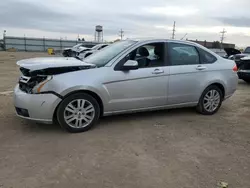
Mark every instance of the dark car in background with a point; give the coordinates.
(242, 61)
(243, 65)
(231, 52)
(238, 56)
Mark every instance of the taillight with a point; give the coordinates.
(235, 68)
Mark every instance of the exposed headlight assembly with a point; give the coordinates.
(41, 83)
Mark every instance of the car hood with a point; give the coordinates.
(54, 62)
(232, 51)
(67, 49)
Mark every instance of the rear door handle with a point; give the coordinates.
(158, 71)
(200, 67)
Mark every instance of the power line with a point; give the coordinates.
(173, 34)
(121, 34)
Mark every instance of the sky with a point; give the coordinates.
(200, 19)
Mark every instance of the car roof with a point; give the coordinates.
(152, 40)
(161, 40)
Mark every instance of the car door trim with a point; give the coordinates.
(124, 80)
(164, 107)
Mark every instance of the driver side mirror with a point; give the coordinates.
(130, 65)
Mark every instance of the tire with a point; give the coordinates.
(78, 112)
(203, 106)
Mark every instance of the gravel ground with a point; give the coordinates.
(169, 149)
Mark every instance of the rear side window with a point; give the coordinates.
(206, 57)
(182, 54)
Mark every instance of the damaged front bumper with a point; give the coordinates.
(36, 107)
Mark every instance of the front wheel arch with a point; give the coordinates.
(91, 93)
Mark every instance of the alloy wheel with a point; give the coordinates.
(211, 100)
(79, 113)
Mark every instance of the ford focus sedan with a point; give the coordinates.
(128, 76)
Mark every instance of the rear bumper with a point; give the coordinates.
(244, 74)
(36, 107)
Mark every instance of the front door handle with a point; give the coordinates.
(201, 67)
(158, 71)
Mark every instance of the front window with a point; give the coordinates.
(247, 50)
(149, 55)
(101, 58)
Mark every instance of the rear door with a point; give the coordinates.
(186, 74)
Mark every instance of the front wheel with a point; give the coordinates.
(78, 112)
(210, 100)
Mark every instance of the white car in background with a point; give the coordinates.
(71, 52)
(85, 53)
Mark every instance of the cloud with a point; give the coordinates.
(138, 18)
(237, 22)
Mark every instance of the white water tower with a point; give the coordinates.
(98, 33)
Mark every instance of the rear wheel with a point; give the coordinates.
(210, 100)
(78, 112)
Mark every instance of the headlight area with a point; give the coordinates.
(39, 86)
(33, 85)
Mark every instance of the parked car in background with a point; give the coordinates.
(128, 76)
(85, 53)
(230, 52)
(238, 56)
(244, 69)
(71, 52)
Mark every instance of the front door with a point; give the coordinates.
(145, 87)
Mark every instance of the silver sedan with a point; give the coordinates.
(128, 76)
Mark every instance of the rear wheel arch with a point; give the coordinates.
(221, 87)
(210, 102)
(218, 84)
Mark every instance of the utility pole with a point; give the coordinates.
(222, 36)
(121, 34)
(173, 34)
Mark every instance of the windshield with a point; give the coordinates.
(102, 57)
(247, 50)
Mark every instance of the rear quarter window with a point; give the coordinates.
(206, 57)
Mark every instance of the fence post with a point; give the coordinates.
(4, 42)
(44, 44)
(61, 43)
(25, 44)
